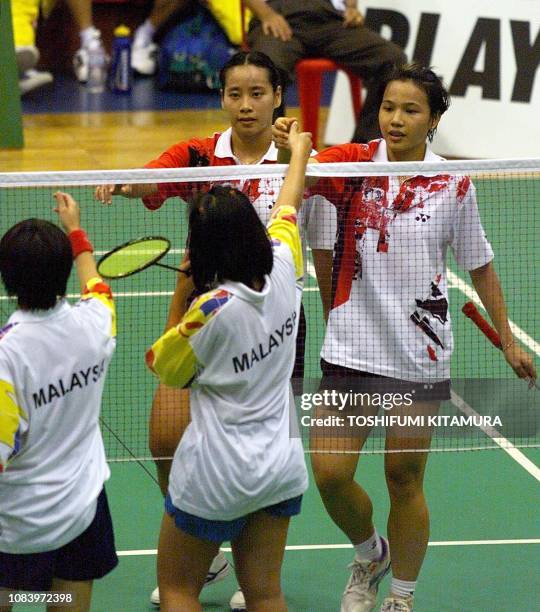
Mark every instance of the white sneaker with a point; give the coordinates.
(238, 602)
(361, 591)
(144, 58)
(397, 604)
(219, 570)
(32, 79)
(27, 57)
(81, 60)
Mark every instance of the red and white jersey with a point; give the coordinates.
(390, 300)
(316, 219)
(53, 365)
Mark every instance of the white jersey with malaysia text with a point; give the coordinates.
(237, 346)
(53, 365)
(390, 310)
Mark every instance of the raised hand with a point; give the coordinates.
(276, 25)
(68, 211)
(300, 142)
(280, 131)
(521, 362)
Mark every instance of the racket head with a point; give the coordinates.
(133, 256)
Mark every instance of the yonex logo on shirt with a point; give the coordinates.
(261, 351)
(77, 380)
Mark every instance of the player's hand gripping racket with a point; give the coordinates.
(470, 311)
(134, 256)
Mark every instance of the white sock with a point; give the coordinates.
(144, 34)
(402, 588)
(87, 35)
(369, 550)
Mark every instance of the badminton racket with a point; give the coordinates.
(135, 256)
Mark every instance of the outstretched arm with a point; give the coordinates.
(486, 282)
(70, 217)
(104, 193)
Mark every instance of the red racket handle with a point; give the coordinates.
(470, 310)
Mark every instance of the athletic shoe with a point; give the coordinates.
(27, 57)
(219, 570)
(361, 591)
(81, 60)
(144, 58)
(238, 602)
(397, 604)
(32, 79)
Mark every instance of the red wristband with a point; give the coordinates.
(80, 242)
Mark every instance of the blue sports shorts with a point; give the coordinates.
(225, 531)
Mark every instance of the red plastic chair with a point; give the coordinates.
(309, 74)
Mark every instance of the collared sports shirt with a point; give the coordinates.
(237, 345)
(316, 220)
(390, 296)
(52, 461)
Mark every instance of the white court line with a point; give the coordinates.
(505, 444)
(311, 269)
(149, 552)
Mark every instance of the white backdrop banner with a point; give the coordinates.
(487, 51)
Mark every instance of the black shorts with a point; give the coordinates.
(89, 556)
(345, 379)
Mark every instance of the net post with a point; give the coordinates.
(11, 131)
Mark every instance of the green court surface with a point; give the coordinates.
(476, 501)
(484, 548)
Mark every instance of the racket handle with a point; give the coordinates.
(470, 311)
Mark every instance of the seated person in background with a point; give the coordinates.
(24, 14)
(82, 15)
(56, 531)
(291, 30)
(144, 51)
(144, 56)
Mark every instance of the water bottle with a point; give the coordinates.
(120, 75)
(96, 66)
